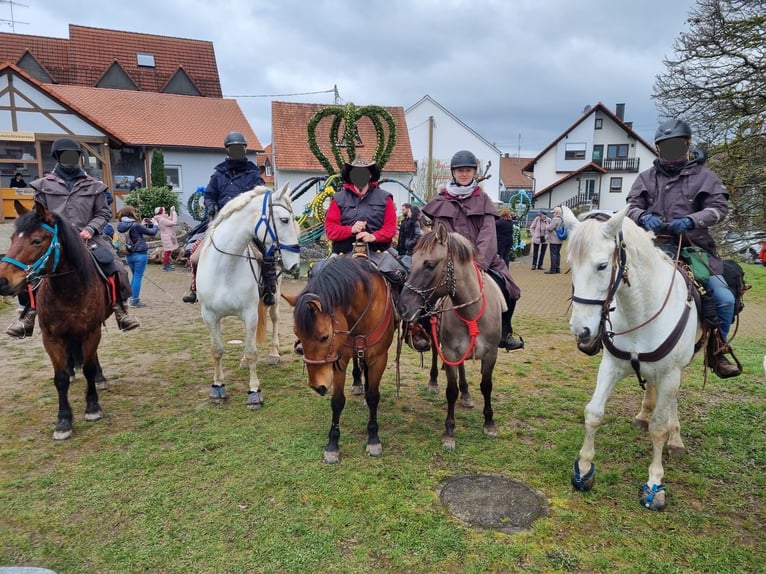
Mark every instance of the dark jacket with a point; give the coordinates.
(504, 231)
(231, 178)
(136, 231)
(694, 192)
(375, 207)
(409, 233)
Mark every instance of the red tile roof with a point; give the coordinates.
(89, 52)
(511, 172)
(289, 125)
(152, 119)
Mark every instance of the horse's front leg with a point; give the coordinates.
(641, 421)
(448, 440)
(58, 355)
(218, 388)
(373, 375)
(90, 369)
(487, 368)
(356, 378)
(254, 395)
(584, 473)
(465, 395)
(433, 376)
(338, 401)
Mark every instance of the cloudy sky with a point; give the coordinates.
(518, 72)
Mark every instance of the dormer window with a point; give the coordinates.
(145, 60)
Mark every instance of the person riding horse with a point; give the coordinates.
(81, 200)
(681, 197)
(233, 176)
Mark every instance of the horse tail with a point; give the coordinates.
(260, 331)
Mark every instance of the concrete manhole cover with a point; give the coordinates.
(492, 502)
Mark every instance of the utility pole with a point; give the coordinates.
(12, 22)
(430, 169)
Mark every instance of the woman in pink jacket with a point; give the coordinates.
(167, 225)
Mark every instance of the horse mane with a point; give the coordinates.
(72, 246)
(460, 247)
(334, 286)
(237, 203)
(639, 244)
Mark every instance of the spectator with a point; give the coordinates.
(504, 229)
(136, 184)
(139, 256)
(552, 238)
(539, 243)
(18, 181)
(409, 233)
(167, 225)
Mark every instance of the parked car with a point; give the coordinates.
(745, 244)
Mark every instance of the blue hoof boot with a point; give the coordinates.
(583, 482)
(653, 498)
(217, 393)
(254, 400)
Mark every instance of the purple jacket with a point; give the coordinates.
(694, 192)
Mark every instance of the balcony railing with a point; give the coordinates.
(624, 164)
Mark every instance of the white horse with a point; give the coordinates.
(629, 297)
(256, 224)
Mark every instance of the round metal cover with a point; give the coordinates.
(492, 502)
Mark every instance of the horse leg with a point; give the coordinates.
(254, 396)
(584, 473)
(676, 446)
(465, 395)
(487, 368)
(448, 440)
(273, 357)
(641, 421)
(338, 401)
(90, 368)
(99, 378)
(58, 355)
(356, 378)
(433, 386)
(218, 388)
(372, 375)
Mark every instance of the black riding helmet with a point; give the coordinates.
(234, 138)
(64, 144)
(463, 158)
(672, 129)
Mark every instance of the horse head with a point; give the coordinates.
(281, 234)
(318, 332)
(594, 256)
(34, 250)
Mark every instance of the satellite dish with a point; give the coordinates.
(586, 109)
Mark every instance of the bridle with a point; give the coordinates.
(35, 270)
(427, 294)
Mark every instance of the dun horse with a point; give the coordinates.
(345, 311)
(255, 225)
(629, 297)
(72, 301)
(464, 306)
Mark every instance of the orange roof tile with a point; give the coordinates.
(289, 126)
(511, 172)
(149, 118)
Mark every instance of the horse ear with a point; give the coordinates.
(441, 233)
(43, 214)
(282, 192)
(315, 305)
(614, 225)
(570, 219)
(20, 208)
(291, 299)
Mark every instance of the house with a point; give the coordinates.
(436, 134)
(592, 164)
(295, 164)
(121, 95)
(513, 179)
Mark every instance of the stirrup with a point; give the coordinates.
(190, 297)
(417, 338)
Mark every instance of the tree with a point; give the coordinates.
(159, 179)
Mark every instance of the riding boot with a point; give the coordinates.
(416, 336)
(715, 357)
(507, 340)
(191, 295)
(24, 326)
(125, 321)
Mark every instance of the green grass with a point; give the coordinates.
(168, 483)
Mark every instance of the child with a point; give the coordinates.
(167, 225)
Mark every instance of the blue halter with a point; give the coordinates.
(33, 271)
(267, 216)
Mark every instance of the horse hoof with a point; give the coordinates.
(653, 498)
(254, 400)
(217, 394)
(676, 451)
(490, 430)
(357, 390)
(62, 435)
(90, 417)
(272, 359)
(466, 401)
(583, 482)
(640, 424)
(331, 457)
(448, 443)
(433, 388)
(374, 449)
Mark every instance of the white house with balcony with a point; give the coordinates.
(592, 164)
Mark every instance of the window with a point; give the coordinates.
(615, 185)
(598, 153)
(599, 123)
(617, 151)
(146, 60)
(173, 173)
(575, 150)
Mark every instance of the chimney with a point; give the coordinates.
(621, 112)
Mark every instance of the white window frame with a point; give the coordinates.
(177, 185)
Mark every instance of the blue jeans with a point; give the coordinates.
(137, 264)
(724, 302)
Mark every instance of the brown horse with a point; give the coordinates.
(346, 311)
(72, 301)
(464, 307)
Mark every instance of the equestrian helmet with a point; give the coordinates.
(64, 144)
(672, 129)
(234, 138)
(463, 158)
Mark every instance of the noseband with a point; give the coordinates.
(35, 270)
(447, 278)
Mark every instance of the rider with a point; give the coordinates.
(463, 207)
(680, 196)
(81, 200)
(233, 176)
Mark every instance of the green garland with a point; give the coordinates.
(520, 203)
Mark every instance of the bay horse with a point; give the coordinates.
(464, 307)
(72, 301)
(629, 297)
(254, 225)
(345, 311)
